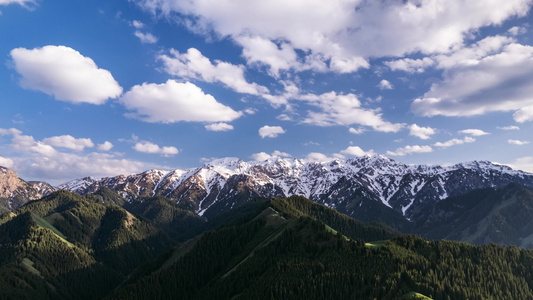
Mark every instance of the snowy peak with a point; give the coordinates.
(223, 183)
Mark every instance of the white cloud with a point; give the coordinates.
(250, 111)
(146, 38)
(509, 128)
(339, 109)
(517, 30)
(194, 65)
(219, 127)
(517, 142)
(137, 24)
(317, 157)
(424, 133)
(474, 132)
(106, 146)
(358, 30)
(409, 150)
(26, 143)
(6, 162)
(524, 114)
(278, 153)
(261, 51)
(497, 82)
(473, 54)
(410, 65)
(64, 73)
(23, 3)
(454, 142)
(522, 163)
(149, 147)
(357, 151)
(270, 131)
(69, 142)
(10, 131)
(262, 156)
(172, 102)
(348, 65)
(359, 130)
(35, 160)
(385, 85)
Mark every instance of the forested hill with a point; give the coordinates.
(285, 252)
(66, 246)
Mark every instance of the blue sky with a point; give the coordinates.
(103, 88)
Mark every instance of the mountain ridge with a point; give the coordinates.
(345, 185)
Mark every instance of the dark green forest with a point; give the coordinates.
(100, 246)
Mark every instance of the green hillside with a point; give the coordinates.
(286, 252)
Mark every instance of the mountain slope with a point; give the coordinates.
(15, 192)
(503, 216)
(66, 246)
(283, 253)
(368, 188)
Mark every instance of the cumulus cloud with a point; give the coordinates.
(137, 24)
(69, 142)
(219, 127)
(194, 65)
(172, 102)
(10, 131)
(262, 156)
(35, 160)
(524, 114)
(517, 30)
(454, 142)
(259, 51)
(410, 149)
(106, 146)
(385, 85)
(151, 148)
(359, 130)
(65, 74)
(270, 131)
(359, 30)
(410, 65)
(6, 162)
(146, 38)
(357, 151)
(517, 142)
(424, 133)
(340, 109)
(522, 163)
(474, 132)
(318, 157)
(476, 84)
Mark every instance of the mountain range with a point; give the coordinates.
(369, 188)
(227, 230)
(410, 198)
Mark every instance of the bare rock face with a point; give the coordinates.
(15, 192)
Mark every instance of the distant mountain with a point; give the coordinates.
(15, 192)
(503, 216)
(370, 188)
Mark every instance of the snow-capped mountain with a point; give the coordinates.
(352, 186)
